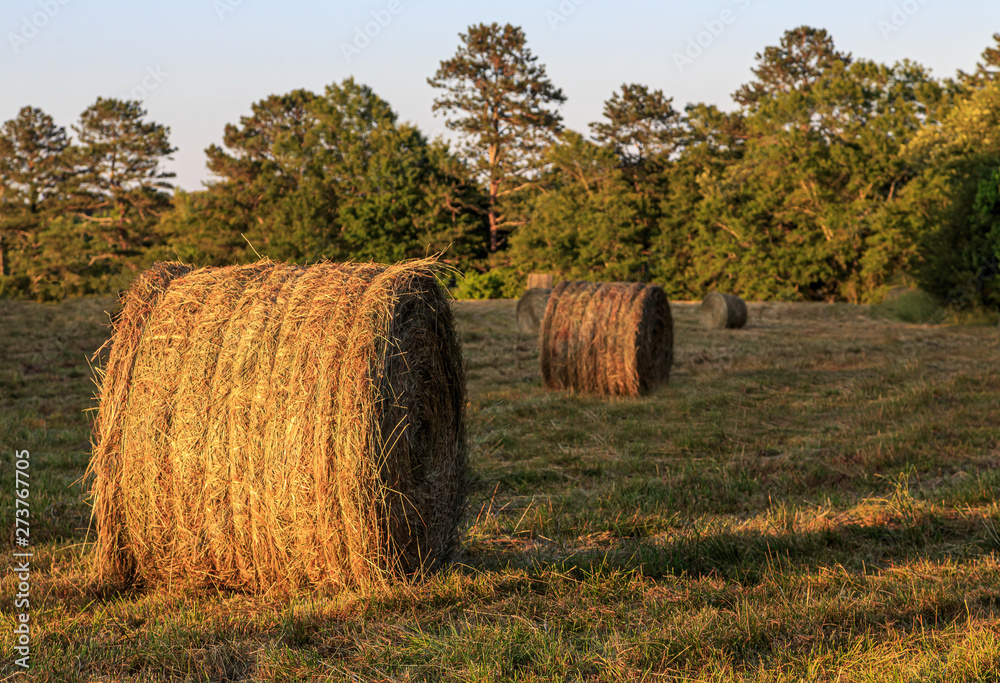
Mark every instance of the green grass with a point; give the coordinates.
(911, 306)
(812, 498)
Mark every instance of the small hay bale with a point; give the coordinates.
(608, 338)
(531, 311)
(270, 426)
(539, 281)
(723, 311)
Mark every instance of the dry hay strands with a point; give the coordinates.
(609, 338)
(531, 311)
(723, 311)
(270, 426)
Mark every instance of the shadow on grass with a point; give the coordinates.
(748, 558)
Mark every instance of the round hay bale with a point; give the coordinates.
(723, 311)
(531, 310)
(270, 426)
(539, 281)
(608, 338)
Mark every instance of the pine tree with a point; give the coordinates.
(120, 185)
(986, 70)
(34, 171)
(501, 100)
(639, 125)
(802, 58)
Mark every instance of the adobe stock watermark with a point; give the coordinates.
(21, 560)
(224, 7)
(363, 36)
(898, 18)
(152, 79)
(714, 28)
(562, 13)
(31, 25)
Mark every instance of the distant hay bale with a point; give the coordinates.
(609, 338)
(270, 426)
(539, 280)
(723, 311)
(531, 311)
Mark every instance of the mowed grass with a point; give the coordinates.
(811, 498)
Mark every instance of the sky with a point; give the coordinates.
(200, 64)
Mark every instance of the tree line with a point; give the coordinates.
(834, 178)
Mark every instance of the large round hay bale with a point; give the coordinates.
(269, 426)
(608, 338)
(723, 311)
(531, 311)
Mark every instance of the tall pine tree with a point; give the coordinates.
(34, 171)
(502, 102)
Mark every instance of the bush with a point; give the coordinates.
(500, 283)
(911, 306)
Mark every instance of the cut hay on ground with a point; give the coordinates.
(610, 338)
(723, 311)
(270, 426)
(531, 311)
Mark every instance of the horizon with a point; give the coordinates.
(211, 78)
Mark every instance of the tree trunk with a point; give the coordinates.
(492, 213)
(493, 230)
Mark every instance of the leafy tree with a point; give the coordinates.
(265, 172)
(808, 209)
(644, 130)
(326, 176)
(83, 214)
(33, 173)
(393, 195)
(712, 141)
(584, 221)
(501, 100)
(951, 205)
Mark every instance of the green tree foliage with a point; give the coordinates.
(639, 125)
(804, 57)
(81, 217)
(269, 184)
(835, 178)
(951, 205)
(334, 176)
(584, 220)
(500, 100)
(986, 71)
(712, 141)
(119, 179)
(806, 210)
(33, 172)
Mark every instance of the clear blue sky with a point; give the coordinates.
(201, 63)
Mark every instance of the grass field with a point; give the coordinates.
(812, 498)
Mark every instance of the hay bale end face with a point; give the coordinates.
(270, 426)
(723, 311)
(539, 281)
(607, 338)
(531, 311)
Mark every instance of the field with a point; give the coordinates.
(812, 498)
